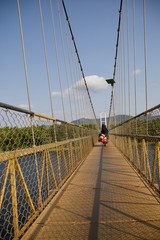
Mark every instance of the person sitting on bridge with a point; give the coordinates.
(104, 131)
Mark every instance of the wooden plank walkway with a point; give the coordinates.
(105, 199)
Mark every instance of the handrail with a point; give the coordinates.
(17, 109)
(37, 155)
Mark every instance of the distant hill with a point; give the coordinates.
(84, 121)
(118, 118)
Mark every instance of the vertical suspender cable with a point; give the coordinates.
(71, 52)
(70, 58)
(64, 57)
(46, 59)
(76, 83)
(68, 82)
(121, 76)
(115, 122)
(128, 60)
(57, 60)
(83, 97)
(78, 58)
(145, 53)
(145, 62)
(70, 63)
(29, 102)
(135, 81)
(77, 87)
(24, 56)
(124, 68)
(49, 84)
(134, 47)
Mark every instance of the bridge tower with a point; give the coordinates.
(103, 119)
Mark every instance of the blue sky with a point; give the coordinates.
(94, 25)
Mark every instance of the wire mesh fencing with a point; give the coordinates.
(139, 140)
(37, 155)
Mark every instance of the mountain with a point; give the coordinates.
(117, 118)
(84, 121)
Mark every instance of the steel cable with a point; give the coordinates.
(78, 57)
(24, 55)
(115, 63)
(64, 57)
(46, 58)
(57, 59)
(145, 62)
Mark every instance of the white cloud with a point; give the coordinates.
(94, 83)
(137, 71)
(56, 94)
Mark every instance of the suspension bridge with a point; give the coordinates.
(56, 180)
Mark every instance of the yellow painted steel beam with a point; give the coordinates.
(155, 161)
(64, 160)
(24, 186)
(44, 116)
(42, 170)
(144, 159)
(26, 151)
(52, 171)
(70, 156)
(136, 151)
(59, 164)
(147, 162)
(27, 224)
(47, 175)
(4, 184)
(14, 197)
(159, 161)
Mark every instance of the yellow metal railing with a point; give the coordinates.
(139, 140)
(37, 155)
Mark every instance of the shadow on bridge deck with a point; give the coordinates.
(105, 199)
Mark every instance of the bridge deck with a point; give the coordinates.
(105, 199)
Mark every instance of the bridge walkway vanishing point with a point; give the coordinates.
(105, 199)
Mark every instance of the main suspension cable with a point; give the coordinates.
(116, 54)
(117, 43)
